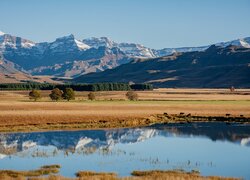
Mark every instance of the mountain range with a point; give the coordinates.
(73, 58)
(216, 67)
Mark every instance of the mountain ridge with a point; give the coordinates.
(215, 67)
(70, 57)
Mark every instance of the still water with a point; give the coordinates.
(211, 148)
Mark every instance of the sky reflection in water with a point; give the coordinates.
(212, 148)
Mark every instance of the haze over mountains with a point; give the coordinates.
(70, 57)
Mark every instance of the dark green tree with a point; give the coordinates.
(56, 94)
(34, 95)
(68, 94)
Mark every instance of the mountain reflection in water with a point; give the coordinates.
(91, 140)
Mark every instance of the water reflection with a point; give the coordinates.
(213, 148)
(235, 133)
(90, 140)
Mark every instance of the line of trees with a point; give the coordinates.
(141, 86)
(55, 95)
(77, 87)
(69, 94)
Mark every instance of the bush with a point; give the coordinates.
(56, 94)
(35, 95)
(68, 94)
(91, 96)
(132, 96)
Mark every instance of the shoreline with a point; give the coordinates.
(165, 118)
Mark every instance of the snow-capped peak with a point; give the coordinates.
(2, 33)
(69, 41)
(81, 45)
(136, 50)
(7, 40)
(71, 36)
(98, 42)
(131, 49)
(244, 42)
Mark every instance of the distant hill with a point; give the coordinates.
(13, 73)
(217, 66)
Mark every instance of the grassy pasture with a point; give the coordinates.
(17, 110)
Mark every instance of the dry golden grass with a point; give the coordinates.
(136, 175)
(14, 77)
(18, 113)
(174, 175)
(86, 175)
(44, 170)
(157, 94)
(51, 177)
(22, 77)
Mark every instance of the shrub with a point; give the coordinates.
(56, 94)
(91, 96)
(68, 94)
(132, 96)
(35, 95)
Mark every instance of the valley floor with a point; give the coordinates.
(111, 109)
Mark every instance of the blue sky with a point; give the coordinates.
(154, 23)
